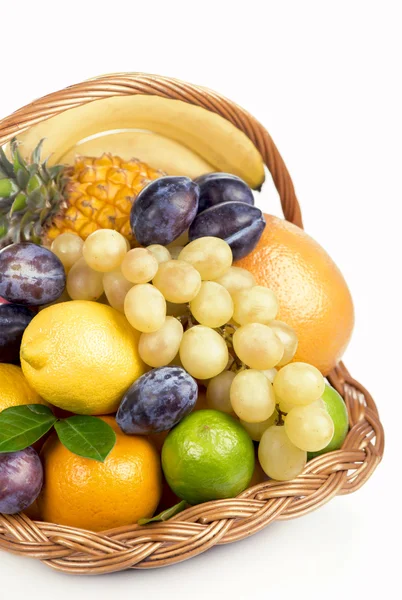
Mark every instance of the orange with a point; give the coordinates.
(92, 495)
(313, 296)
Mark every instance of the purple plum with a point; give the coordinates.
(157, 401)
(216, 188)
(164, 210)
(30, 275)
(239, 224)
(13, 321)
(21, 480)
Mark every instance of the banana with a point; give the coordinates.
(208, 142)
(156, 150)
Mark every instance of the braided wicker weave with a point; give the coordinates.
(197, 529)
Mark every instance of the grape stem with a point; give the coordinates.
(186, 319)
(237, 365)
(280, 420)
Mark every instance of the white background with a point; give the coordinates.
(324, 78)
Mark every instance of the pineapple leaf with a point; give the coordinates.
(33, 169)
(3, 229)
(37, 198)
(18, 162)
(37, 229)
(45, 172)
(7, 188)
(14, 233)
(34, 183)
(43, 215)
(5, 165)
(27, 231)
(55, 171)
(22, 178)
(19, 203)
(5, 205)
(27, 218)
(35, 157)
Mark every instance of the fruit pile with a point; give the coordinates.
(185, 353)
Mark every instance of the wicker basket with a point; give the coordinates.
(201, 527)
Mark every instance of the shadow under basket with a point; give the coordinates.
(220, 522)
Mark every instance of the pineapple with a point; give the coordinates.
(38, 203)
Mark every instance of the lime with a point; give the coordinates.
(337, 411)
(209, 455)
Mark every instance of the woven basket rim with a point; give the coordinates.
(198, 528)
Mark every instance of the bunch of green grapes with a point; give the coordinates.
(193, 308)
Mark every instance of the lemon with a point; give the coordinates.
(81, 356)
(14, 388)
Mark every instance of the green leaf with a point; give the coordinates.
(22, 426)
(35, 158)
(37, 199)
(166, 514)
(86, 436)
(22, 178)
(7, 188)
(19, 203)
(27, 218)
(6, 165)
(3, 230)
(33, 183)
(18, 162)
(55, 171)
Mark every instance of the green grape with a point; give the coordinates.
(211, 256)
(255, 430)
(68, 248)
(203, 352)
(288, 337)
(309, 427)
(116, 287)
(279, 458)
(299, 383)
(257, 346)
(178, 281)
(159, 348)
(139, 265)
(213, 305)
(255, 305)
(145, 308)
(218, 392)
(270, 374)
(83, 283)
(104, 250)
(252, 396)
(236, 279)
(161, 253)
(285, 407)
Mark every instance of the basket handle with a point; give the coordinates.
(126, 84)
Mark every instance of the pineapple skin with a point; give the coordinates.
(99, 194)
